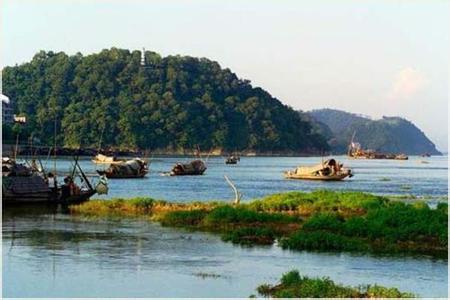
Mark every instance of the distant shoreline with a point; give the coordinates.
(25, 150)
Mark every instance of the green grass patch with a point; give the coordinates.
(293, 285)
(319, 201)
(320, 220)
(411, 227)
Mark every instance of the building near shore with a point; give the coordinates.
(7, 110)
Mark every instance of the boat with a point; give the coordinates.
(133, 168)
(25, 185)
(195, 167)
(329, 170)
(232, 160)
(401, 156)
(356, 151)
(103, 159)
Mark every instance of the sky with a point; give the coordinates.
(377, 58)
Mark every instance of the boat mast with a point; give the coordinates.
(54, 147)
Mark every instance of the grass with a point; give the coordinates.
(306, 204)
(293, 285)
(398, 227)
(321, 220)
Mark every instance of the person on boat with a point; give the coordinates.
(65, 188)
(51, 180)
(69, 188)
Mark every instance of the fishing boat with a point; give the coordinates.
(103, 159)
(25, 185)
(356, 151)
(232, 160)
(329, 170)
(401, 156)
(133, 168)
(195, 167)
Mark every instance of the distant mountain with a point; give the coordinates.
(389, 134)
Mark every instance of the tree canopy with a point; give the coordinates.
(174, 102)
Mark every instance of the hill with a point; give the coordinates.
(174, 102)
(389, 134)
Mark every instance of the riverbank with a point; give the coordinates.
(25, 150)
(319, 221)
(293, 285)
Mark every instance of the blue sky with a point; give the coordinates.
(371, 57)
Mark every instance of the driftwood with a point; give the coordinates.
(237, 194)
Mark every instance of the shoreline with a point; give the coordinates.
(7, 150)
(25, 150)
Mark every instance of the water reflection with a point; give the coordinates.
(56, 255)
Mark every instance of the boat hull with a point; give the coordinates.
(313, 177)
(121, 176)
(11, 199)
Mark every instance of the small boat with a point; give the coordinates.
(232, 160)
(103, 159)
(133, 168)
(401, 157)
(24, 185)
(195, 167)
(330, 170)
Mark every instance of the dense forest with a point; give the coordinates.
(173, 103)
(389, 134)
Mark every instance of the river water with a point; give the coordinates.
(52, 254)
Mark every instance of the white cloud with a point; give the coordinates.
(407, 83)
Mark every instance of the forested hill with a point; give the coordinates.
(389, 134)
(175, 102)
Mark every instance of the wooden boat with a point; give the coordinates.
(22, 185)
(133, 168)
(195, 167)
(103, 159)
(330, 170)
(401, 157)
(232, 160)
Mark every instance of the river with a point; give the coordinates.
(52, 254)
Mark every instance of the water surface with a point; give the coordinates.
(62, 256)
(51, 254)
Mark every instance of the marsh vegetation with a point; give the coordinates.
(293, 285)
(321, 220)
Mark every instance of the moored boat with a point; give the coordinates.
(133, 168)
(330, 170)
(103, 159)
(232, 160)
(24, 185)
(195, 167)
